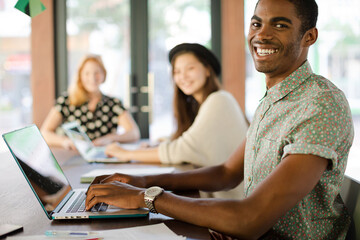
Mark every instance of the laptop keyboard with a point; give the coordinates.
(99, 207)
(79, 205)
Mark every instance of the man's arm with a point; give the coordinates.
(249, 218)
(253, 216)
(215, 178)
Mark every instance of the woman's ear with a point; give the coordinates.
(310, 37)
(208, 71)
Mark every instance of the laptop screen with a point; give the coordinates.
(38, 165)
(79, 138)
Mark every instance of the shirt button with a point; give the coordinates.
(249, 179)
(253, 148)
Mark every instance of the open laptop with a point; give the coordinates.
(49, 183)
(84, 144)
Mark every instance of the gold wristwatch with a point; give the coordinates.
(150, 195)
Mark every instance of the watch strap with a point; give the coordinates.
(150, 196)
(150, 205)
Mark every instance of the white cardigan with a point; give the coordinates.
(217, 131)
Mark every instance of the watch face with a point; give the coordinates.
(153, 191)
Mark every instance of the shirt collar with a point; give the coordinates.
(290, 83)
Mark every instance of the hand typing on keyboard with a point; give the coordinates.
(99, 207)
(79, 205)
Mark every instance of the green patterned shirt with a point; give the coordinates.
(303, 114)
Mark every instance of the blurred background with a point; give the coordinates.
(112, 29)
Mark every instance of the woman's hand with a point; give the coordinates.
(68, 144)
(117, 194)
(114, 150)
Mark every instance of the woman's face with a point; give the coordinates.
(190, 75)
(92, 76)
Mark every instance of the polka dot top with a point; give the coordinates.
(304, 114)
(102, 121)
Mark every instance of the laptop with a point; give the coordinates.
(84, 144)
(49, 183)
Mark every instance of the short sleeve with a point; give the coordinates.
(62, 104)
(117, 106)
(324, 129)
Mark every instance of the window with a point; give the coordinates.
(104, 27)
(101, 27)
(336, 56)
(182, 21)
(15, 69)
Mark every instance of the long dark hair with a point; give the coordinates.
(185, 106)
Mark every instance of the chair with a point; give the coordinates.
(350, 193)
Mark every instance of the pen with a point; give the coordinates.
(69, 233)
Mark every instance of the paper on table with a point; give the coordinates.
(157, 231)
(88, 177)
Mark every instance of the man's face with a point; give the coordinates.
(274, 38)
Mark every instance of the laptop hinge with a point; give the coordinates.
(63, 202)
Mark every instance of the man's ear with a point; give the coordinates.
(310, 37)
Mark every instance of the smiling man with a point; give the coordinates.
(293, 160)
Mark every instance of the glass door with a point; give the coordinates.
(134, 39)
(101, 27)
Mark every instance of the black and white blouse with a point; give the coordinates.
(98, 123)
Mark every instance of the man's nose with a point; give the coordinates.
(265, 33)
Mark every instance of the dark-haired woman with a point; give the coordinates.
(210, 123)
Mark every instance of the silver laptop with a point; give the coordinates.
(84, 144)
(49, 183)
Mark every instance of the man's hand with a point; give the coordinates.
(117, 194)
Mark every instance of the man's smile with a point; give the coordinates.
(265, 51)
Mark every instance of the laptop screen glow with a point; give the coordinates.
(38, 165)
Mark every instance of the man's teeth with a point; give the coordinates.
(264, 52)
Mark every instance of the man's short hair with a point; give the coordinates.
(307, 11)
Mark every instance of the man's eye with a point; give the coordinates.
(255, 24)
(279, 25)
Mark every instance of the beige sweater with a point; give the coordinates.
(217, 131)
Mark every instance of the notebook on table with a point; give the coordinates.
(84, 144)
(49, 183)
(89, 176)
